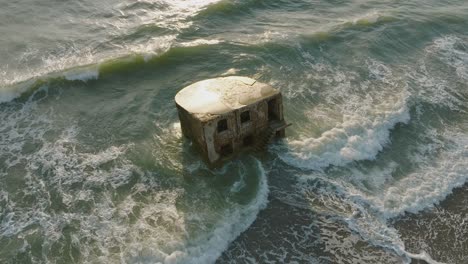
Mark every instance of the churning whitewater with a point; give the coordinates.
(94, 167)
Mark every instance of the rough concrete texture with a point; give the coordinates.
(221, 95)
(224, 116)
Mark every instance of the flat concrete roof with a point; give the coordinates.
(221, 95)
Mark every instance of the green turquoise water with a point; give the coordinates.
(93, 167)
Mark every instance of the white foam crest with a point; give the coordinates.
(231, 71)
(343, 200)
(159, 227)
(240, 184)
(357, 114)
(64, 60)
(85, 75)
(433, 89)
(267, 36)
(150, 49)
(64, 57)
(430, 184)
(423, 256)
(69, 166)
(389, 197)
(15, 139)
(64, 167)
(147, 226)
(9, 93)
(161, 231)
(74, 65)
(230, 227)
(190, 5)
(170, 14)
(452, 50)
(376, 231)
(200, 42)
(360, 136)
(58, 158)
(368, 18)
(70, 63)
(367, 209)
(433, 84)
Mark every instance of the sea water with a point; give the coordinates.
(94, 169)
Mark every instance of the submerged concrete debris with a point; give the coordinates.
(223, 116)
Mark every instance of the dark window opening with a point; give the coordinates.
(222, 125)
(248, 140)
(226, 150)
(245, 116)
(272, 110)
(279, 133)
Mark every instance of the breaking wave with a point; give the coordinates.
(76, 63)
(363, 122)
(70, 197)
(367, 199)
(15, 88)
(338, 172)
(357, 138)
(453, 52)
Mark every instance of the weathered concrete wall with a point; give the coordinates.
(192, 129)
(185, 122)
(209, 132)
(215, 140)
(202, 129)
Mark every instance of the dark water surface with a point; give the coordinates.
(93, 167)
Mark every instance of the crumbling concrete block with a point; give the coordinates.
(223, 116)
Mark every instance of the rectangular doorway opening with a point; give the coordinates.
(245, 116)
(272, 110)
(248, 141)
(279, 133)
(222, 125)
(226, 150)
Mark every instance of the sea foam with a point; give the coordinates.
(82, 75)
(358, 137)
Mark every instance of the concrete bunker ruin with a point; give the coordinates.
(223, 116)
